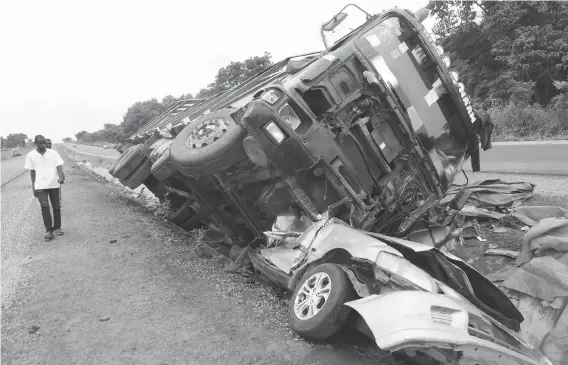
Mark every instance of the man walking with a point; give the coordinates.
(48, 143)
(46, 169)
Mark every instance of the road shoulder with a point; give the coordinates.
(122, 288)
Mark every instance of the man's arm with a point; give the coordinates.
(60, 173)
(29, 165)
(59, 162)
(33, 175)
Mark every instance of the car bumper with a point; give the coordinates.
(414, 319)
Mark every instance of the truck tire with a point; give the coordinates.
(147, 146)
(119, 160)
(316, 317)
(162, 168)
(208, 145)
(138, 177)
(130, 164)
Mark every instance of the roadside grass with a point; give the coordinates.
(523, 122)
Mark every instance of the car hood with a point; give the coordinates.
(416, 320)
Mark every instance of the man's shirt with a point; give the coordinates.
(45, 167)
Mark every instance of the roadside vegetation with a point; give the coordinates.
(142, 112)
(512, 57)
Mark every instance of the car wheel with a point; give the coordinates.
(208, 145)
(316, 309)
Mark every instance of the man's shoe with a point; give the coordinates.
(49, 236)
(58, 232)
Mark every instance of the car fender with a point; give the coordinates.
(322, 239)
(341, 236)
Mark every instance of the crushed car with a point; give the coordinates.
(318, 168)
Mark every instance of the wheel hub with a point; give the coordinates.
(312, 296)
(207, 132)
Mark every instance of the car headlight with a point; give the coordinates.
(402, 268)
(275, 132)
(271, 96)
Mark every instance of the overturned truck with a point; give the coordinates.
(321, 165)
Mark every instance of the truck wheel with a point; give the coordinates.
(120, 160)
(316, 309)
(162, 168)
(130, 163)
(138, 177)
(208, 145)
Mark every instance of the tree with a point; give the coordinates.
(81, 135)
(506, 51)
(139, 114)
(113, 133)
(14, 140)
(185, 96)
(67, 139)
(168, 100)
(236, 73)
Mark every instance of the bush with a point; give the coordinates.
(515, 121)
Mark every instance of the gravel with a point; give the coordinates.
(163, 302)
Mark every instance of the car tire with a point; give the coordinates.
(331, 313)
(162, 168)
(208, 145)
(138, 177)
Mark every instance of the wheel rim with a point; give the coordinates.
(207, 132)
(312, 296)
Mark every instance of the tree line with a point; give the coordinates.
(142, 112)
(14, 140)
(513, 58)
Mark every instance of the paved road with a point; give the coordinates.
(543, 158)
(12, 168)
(93, 151)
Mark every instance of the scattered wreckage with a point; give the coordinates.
(320, 166)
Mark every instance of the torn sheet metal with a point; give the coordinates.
(531, 215)
(544, 278)
(472, 211)
(555, 345)
(548, 237)
(493, 193)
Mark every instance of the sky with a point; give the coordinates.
(67, 66)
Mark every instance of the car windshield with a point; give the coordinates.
(398, 56)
